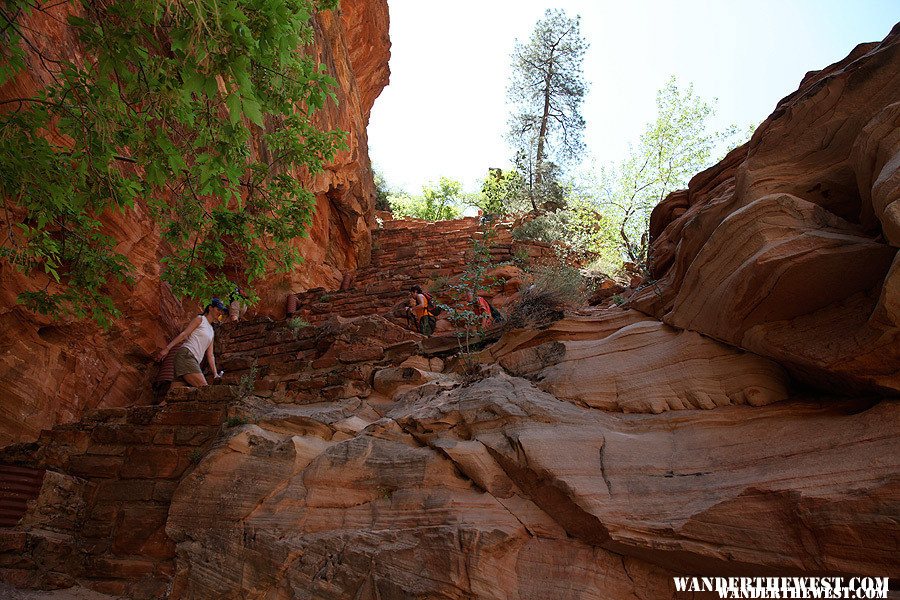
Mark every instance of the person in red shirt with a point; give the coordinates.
(481, 308)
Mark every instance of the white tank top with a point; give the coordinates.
(200, 339)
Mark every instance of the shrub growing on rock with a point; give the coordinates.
(553, 289)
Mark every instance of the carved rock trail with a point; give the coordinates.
(740, 417)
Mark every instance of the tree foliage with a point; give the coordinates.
(547, 88)
(161, 107)
(579, 231)
(382, 192)
(676, 145)
(438, 202)
(502, 193)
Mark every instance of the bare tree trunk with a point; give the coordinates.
(539, 158)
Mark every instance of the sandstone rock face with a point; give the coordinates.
(586, 324)
(52, 372)
(99, 519)
(310, 517)
(592, 457)
(498, 490)
(649, 367)
(788, 246)
(336, 475)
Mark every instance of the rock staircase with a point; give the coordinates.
(405, 253)
(100, 515)
(88, 503)
(18, 486)
(333, 361)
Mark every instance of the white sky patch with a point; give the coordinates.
(444, 112)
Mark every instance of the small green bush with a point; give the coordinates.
(297, 323)
(521, 259)
(247, 383)
(235, 421)
(545, 299)
(541, 229)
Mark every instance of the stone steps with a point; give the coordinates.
(333, 361)
(18, 486)
(408, 252)
(116, 471)
(113, 475)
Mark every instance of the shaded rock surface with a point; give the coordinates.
(788, 247)
(591, 457)
(51, 373)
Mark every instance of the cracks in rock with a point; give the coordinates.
(811, 538)
(603, 469)
(465, 557)
(368, 589)
(670, 473)
(555, 502)
(440, 452)
(516, 446)
(634, 588)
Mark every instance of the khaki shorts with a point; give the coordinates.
(185, 363)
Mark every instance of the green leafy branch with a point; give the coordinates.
(203, 110)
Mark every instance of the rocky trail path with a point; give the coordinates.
(87, 504)
(739, 417)
(407, 252)
(336, 460)
(404, 253)
(348, 459)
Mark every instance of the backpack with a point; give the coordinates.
(496, 315)
(430, 306)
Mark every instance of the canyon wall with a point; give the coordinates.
(788, 247)
(739, 416)
(52, 372)
(743, 420)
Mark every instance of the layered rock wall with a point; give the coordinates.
(788, 247)
(743, 420)
(52, 372)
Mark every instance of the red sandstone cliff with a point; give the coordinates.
(51, 372)
(742, 421)
(788, 247)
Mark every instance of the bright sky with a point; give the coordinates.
(445, 112)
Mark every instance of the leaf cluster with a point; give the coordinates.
(197, 114)
(438, 202)
(502, 193)
(472, 282)
(676, 145)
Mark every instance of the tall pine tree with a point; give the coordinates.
(547, 88)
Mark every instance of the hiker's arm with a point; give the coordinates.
(211, 359)
(420, 298)
(180, 337)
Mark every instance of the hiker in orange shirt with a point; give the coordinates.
(421, 311)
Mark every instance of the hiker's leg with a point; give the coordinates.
(195, 379)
